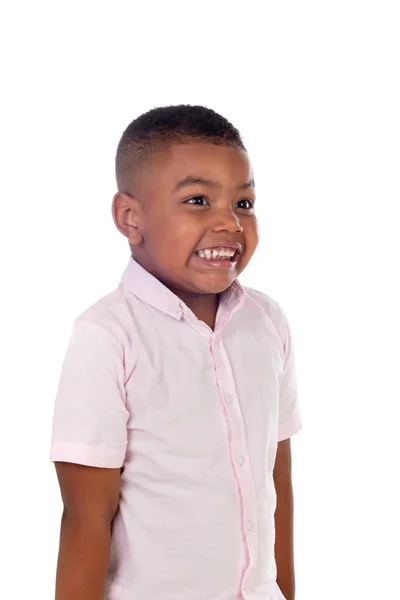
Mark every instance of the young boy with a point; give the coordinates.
(177, 398)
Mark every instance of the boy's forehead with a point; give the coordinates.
(200, 160)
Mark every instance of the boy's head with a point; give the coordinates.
(185, 193)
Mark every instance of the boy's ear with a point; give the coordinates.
(126, 214)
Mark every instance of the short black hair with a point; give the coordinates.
(170, 124)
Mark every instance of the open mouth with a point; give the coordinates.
(223, 256)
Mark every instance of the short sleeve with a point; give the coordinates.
(90, 415)
(289, 411)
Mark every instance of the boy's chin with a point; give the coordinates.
(215, 284)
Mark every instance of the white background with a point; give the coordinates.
(314, 89)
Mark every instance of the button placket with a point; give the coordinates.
(243, 469)
(241, 463)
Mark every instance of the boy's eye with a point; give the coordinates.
(246, 204)
(197, 201)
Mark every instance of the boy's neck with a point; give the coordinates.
(204, 306)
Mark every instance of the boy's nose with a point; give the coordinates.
(228, 221)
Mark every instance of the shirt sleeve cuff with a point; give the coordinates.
(91, 456)
(286, 430)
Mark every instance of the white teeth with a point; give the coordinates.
(220, 253)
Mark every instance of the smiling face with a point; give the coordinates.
(191, 222)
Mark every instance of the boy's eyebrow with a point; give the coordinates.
(194, 179)
(247, 185)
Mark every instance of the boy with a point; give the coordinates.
(177, 398)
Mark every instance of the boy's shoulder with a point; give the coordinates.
(270, 307)
(263, 299)
(111, 313)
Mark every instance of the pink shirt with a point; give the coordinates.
(194, 417)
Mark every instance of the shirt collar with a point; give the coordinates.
(150, 290)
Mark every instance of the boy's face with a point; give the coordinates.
(192, 209)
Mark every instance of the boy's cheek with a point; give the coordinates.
(252, 242)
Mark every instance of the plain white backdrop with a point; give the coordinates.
(314, 88)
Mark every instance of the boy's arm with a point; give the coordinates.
(90, 496)
(284, 520)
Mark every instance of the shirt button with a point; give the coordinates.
(241, 460)
(249, 526)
